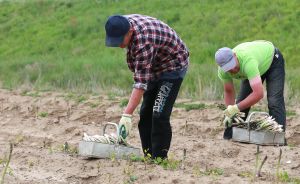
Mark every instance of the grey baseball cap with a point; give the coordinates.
(225, 58)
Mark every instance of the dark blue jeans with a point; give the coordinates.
(154, 125)
(274, 78)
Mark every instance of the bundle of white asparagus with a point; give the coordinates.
(258, 123)
(106, 139)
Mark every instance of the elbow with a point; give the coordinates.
(260, 95)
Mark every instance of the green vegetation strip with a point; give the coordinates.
(50, 45)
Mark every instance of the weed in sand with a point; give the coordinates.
(93, 105)
(131, 180)
(81, 98)
(9, 169)
(6, 167)
(73, 150)
(189, 107)
(147, 159)
(69, 96)
(32, 94)
(99, 165)
(284, 177)
(18, 139)
(112, 96)
(291, 146)
(43, 114)
(208, 172)
(196, 171)
(50, 150)
(214, 172)
(135, 158)
(66, 148)
(245, 174)
(113, 157)
(129, 172)
(124, 102)
(76, 98)
(30, 163)
(168, 164)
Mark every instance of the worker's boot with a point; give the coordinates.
(227, 133)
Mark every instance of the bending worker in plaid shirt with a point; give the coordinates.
(159, 60)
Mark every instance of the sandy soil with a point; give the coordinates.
(41, 124)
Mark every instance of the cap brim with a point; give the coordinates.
(230, 65)
(113, 41)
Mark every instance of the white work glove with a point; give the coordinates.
(125, 125)
(227, 121)
(231, 111)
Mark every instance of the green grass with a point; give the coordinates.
(79, 98)
(189, 107)
(291, 113)
(124, 102)
(59, 44)
(284, 177)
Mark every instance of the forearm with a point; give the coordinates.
(249, 101)
(256, 95)
(229, 94)
(229, 98)
(135, 98)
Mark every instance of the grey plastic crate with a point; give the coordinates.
(257, 137)
(100, 150)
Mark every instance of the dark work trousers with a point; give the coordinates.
(274, 78)
(154, 126)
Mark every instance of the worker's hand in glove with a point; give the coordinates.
(125, 125)
(231, 111)
(227, 121)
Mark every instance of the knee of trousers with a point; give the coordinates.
(145, 117)
(161, 127)
(275, 102)
(144, 125)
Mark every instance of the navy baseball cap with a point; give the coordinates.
(224, 58)
(116, 28)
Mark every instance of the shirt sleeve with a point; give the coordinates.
(225, 77)
(251, 69)
(142, 63)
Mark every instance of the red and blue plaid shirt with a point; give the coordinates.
(154, 48)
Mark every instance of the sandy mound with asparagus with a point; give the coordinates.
(47, 127)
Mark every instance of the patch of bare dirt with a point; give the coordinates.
(41, 125)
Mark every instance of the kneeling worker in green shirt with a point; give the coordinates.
(253, 63)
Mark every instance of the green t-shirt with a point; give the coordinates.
(255, 58)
